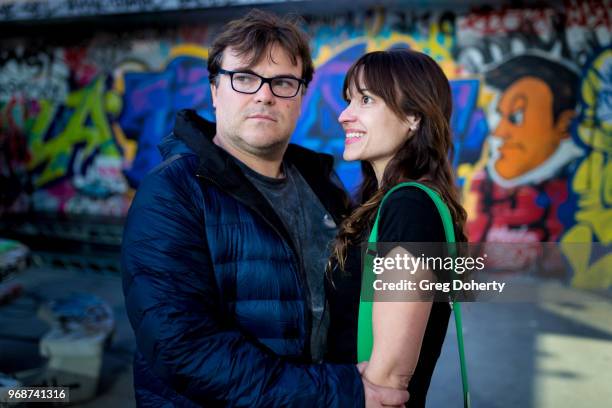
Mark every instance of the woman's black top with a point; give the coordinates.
(408, 215)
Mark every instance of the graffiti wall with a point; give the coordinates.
(532, 120)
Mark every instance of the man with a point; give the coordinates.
(525, 183)
(225, 243)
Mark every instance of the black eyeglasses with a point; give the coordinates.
(250, 83)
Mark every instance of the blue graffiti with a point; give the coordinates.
(468, 122)
(151, 101)
(318, 127)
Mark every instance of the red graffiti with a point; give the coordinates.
(12, 136)
(509, 21)
(194, 35)
(527, 213)
(15, 185)
(587, 14)
(82, 71)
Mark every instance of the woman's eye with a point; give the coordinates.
(366, 99)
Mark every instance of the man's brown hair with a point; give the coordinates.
(254, 34)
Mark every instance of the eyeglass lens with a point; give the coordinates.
(249, 83)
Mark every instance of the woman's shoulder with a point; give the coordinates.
(409, 214)
(411, 202)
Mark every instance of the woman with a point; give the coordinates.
(397, 125)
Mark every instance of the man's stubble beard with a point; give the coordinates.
(269, 151)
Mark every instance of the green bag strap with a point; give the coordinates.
(365, 335)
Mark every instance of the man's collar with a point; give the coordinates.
(217, 166)
(198, 134)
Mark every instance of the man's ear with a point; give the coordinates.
(213, 94)
(563, 122)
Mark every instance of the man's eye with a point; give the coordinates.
(244, 78)
(517, 117)
(284, 83)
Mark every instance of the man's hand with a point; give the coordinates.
(377, 396)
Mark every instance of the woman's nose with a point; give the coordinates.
(346, 115)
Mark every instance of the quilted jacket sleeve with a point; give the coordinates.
(174, 310)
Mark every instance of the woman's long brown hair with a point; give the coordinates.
(410, 83)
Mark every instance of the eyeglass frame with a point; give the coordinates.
(263, 79)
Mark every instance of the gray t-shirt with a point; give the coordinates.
(312, 229)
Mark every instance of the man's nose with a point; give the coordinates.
(264, 94)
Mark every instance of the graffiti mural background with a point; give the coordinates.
(532, 120)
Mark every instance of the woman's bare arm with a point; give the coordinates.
(398, 330)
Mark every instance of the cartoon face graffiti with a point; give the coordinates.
(535, 110)
(529, 134)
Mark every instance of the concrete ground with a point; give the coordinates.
(519, 355)
(553, 354)
(20, 329)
